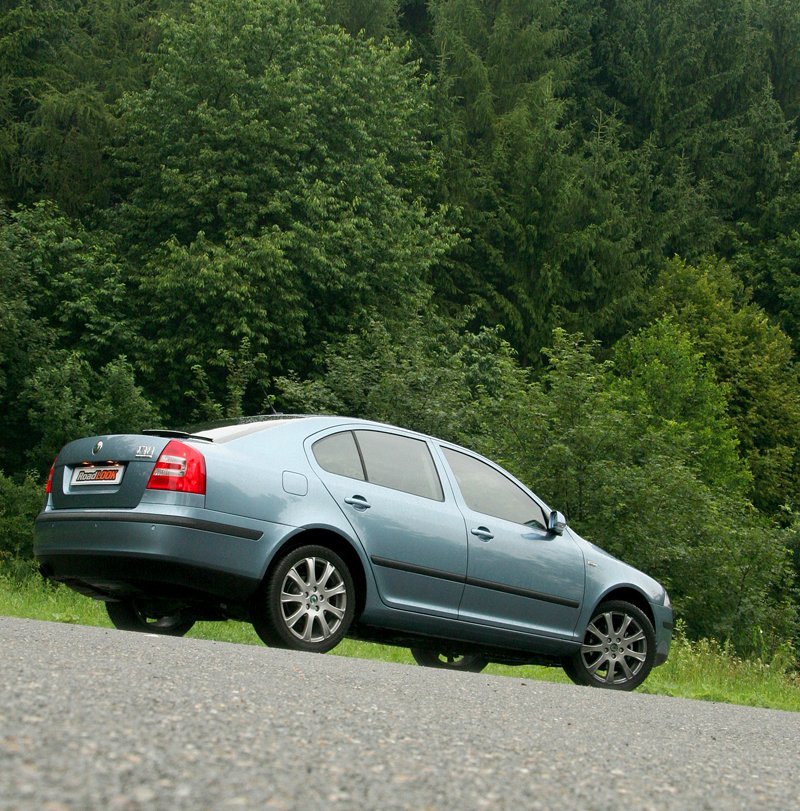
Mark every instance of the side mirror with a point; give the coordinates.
(556, 523)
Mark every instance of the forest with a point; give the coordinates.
(565, 233)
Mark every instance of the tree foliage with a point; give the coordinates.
(695, 77)
(565, 234)
(754, 359)
(20, 501)
(544, 211)
(279, 166)
(631, 480)
(62, 367)
(770, 258)
(418, 372)
(63, 65)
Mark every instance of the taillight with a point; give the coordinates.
(48, 488)
(181, 468)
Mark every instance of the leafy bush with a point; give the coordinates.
(63, 334)
(19, 504)
(67, 399)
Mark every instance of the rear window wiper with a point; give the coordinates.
(170, 434)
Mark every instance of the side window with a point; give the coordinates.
(401, 463)
(338, 453)
(487, 491)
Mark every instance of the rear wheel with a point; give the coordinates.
(618, 650)
(131, 615)
(307, 602)
(469, 663)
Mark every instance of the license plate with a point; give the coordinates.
(96, 475)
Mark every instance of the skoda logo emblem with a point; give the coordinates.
(97, 448)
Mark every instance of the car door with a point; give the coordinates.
(391, 492)
(519, 575)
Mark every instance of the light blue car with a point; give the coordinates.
(317, 528)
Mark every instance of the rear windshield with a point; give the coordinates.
(223, 432)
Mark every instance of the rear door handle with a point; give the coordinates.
(359, 502)
(482, 533)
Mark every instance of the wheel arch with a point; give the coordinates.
(330, 539)
(629, 595)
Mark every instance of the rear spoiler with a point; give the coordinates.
(169, 434)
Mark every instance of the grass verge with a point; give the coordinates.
(700, 670)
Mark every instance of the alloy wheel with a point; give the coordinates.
(313, 599)
(614, 648)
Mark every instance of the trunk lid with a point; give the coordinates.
(105, 471)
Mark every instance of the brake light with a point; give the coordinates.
(181, 468)
(48, 488)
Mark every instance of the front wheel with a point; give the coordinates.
(618, 650)
(307, 602)
(469, 663)
(130, 615)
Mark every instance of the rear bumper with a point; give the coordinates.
(188, 522)
(117, 553)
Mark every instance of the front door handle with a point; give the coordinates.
(359, 502)
(482, 533)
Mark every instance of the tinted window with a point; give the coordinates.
(487, 491)
(399, 462)
(338, 453)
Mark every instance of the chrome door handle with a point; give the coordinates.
(482, 533)
(359, 502)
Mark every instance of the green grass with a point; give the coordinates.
(699, 670)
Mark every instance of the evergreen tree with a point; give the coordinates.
(694, 76)
(63, 65)
(370, 18)
(549, 238)
(781, 19)
(754, 359)
(770, 259)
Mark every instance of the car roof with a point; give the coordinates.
(228, 430)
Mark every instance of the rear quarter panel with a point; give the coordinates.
(266, 477)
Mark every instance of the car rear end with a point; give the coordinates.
(126, 516)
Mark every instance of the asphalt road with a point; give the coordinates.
(99, 719)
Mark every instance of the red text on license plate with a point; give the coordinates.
(97, 475)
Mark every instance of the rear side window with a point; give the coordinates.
(338, 454)
(400, 462)
(488, 491)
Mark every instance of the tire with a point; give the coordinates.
(618, 650)
(129, 616)
(307, 601)
(469, 663)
